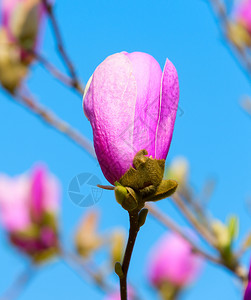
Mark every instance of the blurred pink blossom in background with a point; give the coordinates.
(242, 13)
(13, 202)
(28, 210)
(116, 295)
(7, 7)
(247, 294)
(171, 260)
(22, 19)
(20, 35)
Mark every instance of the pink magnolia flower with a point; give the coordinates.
(116, 295)
(131, 105)
(7, 7)
(242, 13)
(13, 202)
(247, 294)
(28, 210)
(171, 260)
(44, 192)
(22, 21)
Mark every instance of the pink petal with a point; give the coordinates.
(247, 295)
(45, 192)
(169, 103)
(7, 8)
(172, 260)
(242, 13)
(53, 194)
(14, 211)
(37, 191)
(148, 76)
(116, 295)
(109, 105)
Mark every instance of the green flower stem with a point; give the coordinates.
(133, 232)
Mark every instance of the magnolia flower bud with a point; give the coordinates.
(172, 262)
(242, 14)
(120, 193)
(22, 19)
(247, 294)
(116, 295)
(28, 212)
(12, 69)
(178, 170)
(117, 245)
(87, 238)
(132, 106)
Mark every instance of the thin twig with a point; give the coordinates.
(55, 122)
(133, 232)
(246, 105)
(220, 9)
(169, 223)
(195, 205)
(239, 271)
(204, 232)
(245, 246)
(66, 80)
(61, 47)
(56, 73)
(19, 284)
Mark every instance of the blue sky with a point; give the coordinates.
(213, 133)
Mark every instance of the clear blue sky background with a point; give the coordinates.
(213, 133)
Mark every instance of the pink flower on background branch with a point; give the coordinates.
(20, 32)
(28, 212)
(22, 21)
(172, 260)
(247, 294)
(242, 14)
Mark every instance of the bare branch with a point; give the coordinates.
(169, 223)
(19, 284)
(57, 74)
(60, 45)
(55, 122)
(204, 232)
(82, 268)
(239, 271)
(242, 54)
